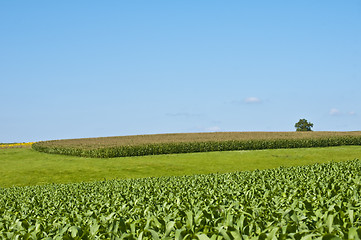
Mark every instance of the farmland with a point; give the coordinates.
(320, 201)
(24, 166)
(140, 145)
(16, 145)
(278, 192)
(192, 137)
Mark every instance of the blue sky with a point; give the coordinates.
(73, 69)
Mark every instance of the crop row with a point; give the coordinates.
(90, 143)
(321, 201)
(189, 147)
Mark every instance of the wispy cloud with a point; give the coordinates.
(183, 114)
(251, 100)
(337, 112)
(213, 129)
(248, 100)
(334, 112)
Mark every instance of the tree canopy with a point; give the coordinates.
(303, 125)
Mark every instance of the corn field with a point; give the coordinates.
(169, 147)
(320, 201)
(91, 143)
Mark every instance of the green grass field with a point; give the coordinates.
(24, 166)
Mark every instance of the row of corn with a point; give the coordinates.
(190, 147)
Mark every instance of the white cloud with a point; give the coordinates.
(252, 100)
(213, 129)
(337, 112)
(182, 114)
(334, 112)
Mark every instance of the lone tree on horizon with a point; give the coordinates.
(303, 125)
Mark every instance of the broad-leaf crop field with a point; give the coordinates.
(320, 201)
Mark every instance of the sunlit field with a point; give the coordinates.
(24, 166)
